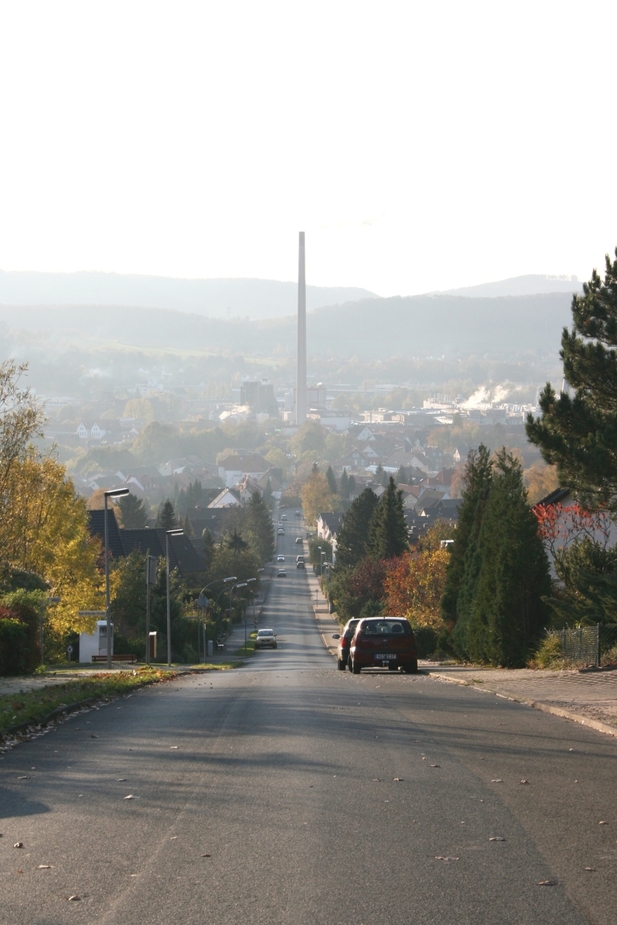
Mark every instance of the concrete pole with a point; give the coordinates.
(301, 365)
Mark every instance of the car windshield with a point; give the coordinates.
(265, 633)
(386, 627)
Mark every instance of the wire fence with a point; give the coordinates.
(588, 646)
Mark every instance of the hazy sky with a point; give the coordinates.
(420, 145)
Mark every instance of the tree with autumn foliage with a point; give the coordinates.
(414, 582)
(316, 495)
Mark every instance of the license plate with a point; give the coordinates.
(384, 657)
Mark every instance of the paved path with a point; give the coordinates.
(589, 698)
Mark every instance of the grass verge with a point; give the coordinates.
(35, 706)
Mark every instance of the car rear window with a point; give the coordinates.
(387, 628)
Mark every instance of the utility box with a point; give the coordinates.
(210, 648)
(95, 644)
(152, 645)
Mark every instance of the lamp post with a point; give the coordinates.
(110, 493)
(323, 556)
(248, 582)
(203, 602)
(169, 533)
(238, 584)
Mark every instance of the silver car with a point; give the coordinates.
(265, 639)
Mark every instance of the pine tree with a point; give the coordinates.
(259, 528)
(508, 611)
(344, 486)
(133, 512)
(578, 433)
(352, 536)
(388, 536)
(167, 517)
(187, 526)
(476, 484)
(331, 480)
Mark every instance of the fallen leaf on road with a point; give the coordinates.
(497, 780)
(120, 779)
(590, 868)
(74, 899)
(174, 746)
(435, 765)
(44, 867)
(398, 779)
(547, 883)
(24, 777)
(206, 855)
(602, 822)
(18, 844)
(496, 838)
(439, 857)
(130, 797)
(92, 736)
(524, 782)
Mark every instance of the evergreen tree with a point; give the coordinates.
(351, 485)
(508, 611)
(235, 542)
(578, 433)
(352, 536)
(167, 517)
(401, 476)
(388, 536)
(476, 484)
(332, 480)
(133, 512)
(209, 546)
(268, 496)
(259, 528)
(498, 575)
(187, 526)
(344, 486)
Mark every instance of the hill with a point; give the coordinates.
(520, 285)
(215, 298)
(428, 325)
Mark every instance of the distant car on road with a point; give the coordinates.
(300, 565)
(280, 531)
(283, 516)
(282, 573)
(280, 558)
(265, 639)
(299, 540)
(298, 513)
(344, 639)
(383, 642)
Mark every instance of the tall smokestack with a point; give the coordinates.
(301, 367)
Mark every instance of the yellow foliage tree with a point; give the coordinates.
(45, 530)
(414, 586)
(316, 496)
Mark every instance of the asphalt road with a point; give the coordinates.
(289, 792)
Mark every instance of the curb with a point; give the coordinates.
(535, 704)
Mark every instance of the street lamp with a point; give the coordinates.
(248, 582)
(202, 602)
(238, 584)
(169, 533)
(110, 493)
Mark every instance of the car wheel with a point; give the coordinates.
(355, 669)
(412, 667)
(392, 666)
(340, 664)
(275, 646)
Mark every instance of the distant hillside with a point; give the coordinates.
(215, 298)
(437, 325)
(520, 285)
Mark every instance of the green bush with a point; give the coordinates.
(14, 650)
(426, 640)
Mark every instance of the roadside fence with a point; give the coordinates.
(588, 646)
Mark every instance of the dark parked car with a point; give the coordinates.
(381, 642)
(344, 642)
(300, 565)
